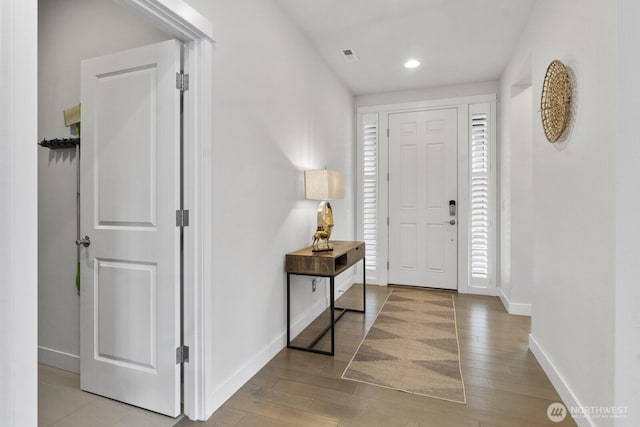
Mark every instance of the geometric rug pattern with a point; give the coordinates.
(412, 347)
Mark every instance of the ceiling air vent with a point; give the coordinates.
(349, 55)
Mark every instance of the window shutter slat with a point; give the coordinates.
(370, 192)
(480, 251)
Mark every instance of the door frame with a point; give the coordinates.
(19, 211)
(196, 32)
(20, 40)
(462, 105)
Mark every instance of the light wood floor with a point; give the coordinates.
(505, 386)
(61, 403)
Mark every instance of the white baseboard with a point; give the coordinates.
(243, 374)
(489, 292)
(236, 380)
(59, 359)
(568, 397)
(514, 308)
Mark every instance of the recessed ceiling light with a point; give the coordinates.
(412, 63)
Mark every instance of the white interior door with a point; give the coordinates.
(422, 183)
(130, 188)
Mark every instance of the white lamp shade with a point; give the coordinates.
(323, 185)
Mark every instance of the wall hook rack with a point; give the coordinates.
(57, 143)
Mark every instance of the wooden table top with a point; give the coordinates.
(340, 247)
(330, 263)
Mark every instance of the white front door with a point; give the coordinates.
(422, 193)
(130, 191)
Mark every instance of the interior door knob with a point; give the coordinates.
(85, 241)
(452, 222)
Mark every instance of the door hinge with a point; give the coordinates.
(387, 132)
(387, 265)
(387, 220)
(182, 218)
(182, 82)
(387, 176)
(182, 355)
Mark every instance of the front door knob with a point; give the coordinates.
(85, 241)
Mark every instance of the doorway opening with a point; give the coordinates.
(516, 221)
(110, 27)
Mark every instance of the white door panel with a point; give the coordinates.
(422, 181)
(130, 187)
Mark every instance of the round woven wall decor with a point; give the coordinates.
(555, 102)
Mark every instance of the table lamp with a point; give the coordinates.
(323, 185)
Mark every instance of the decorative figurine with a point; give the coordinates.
(323, 232)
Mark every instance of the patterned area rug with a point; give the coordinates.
(412, 347)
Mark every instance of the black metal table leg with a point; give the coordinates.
(364, 284)
(332, 309)
(288, 309)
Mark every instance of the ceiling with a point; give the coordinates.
(457, 41)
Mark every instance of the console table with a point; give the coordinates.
(305, 262)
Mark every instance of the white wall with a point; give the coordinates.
(278, 110)
(516, 219)
(427, 94)
(573, 189)
(18, 222)
(627, 208)
(69, 31)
